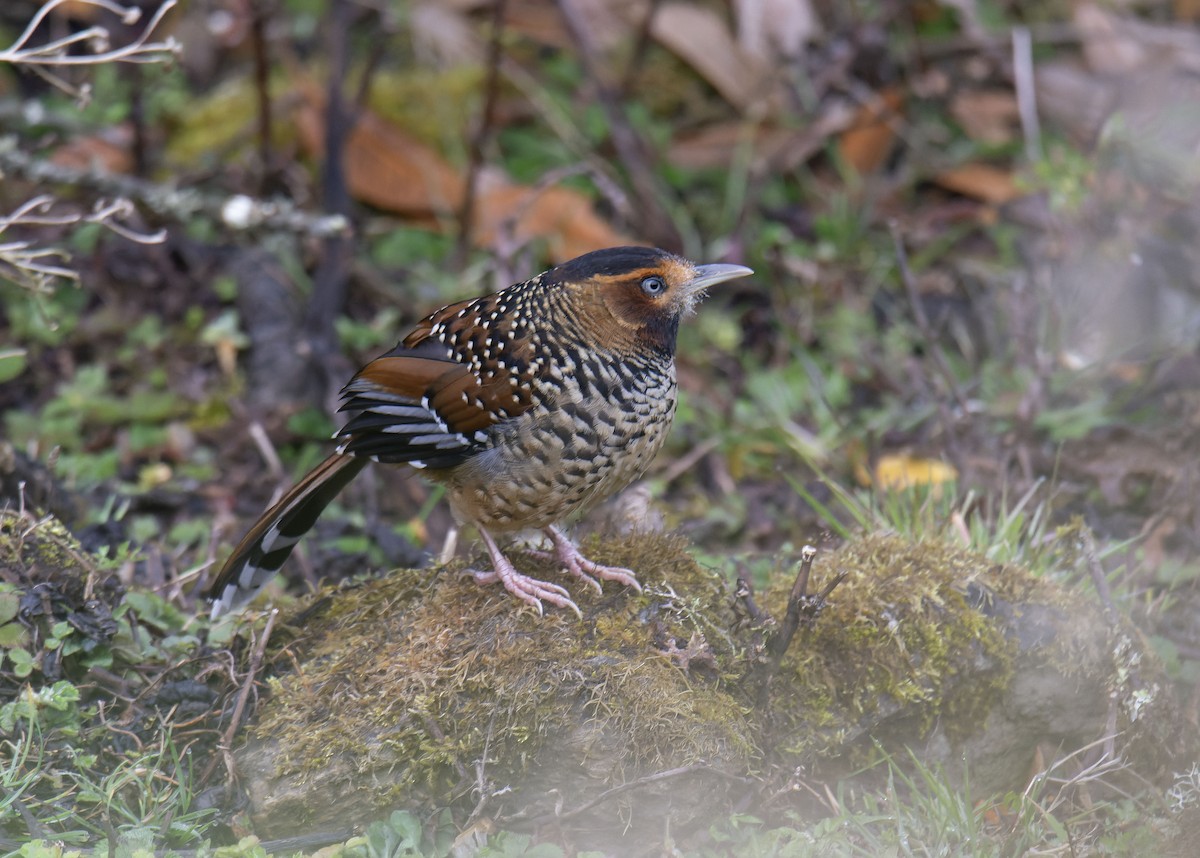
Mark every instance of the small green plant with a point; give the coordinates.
(75, 653)
(44, 316)
(402, 835)
(87, 403)
(144, 798)
(511, 845)
(53, 707)
(379, 332)
(1065, 174)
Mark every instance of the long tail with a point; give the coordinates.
(264, 549)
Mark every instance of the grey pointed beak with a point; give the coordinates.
(710, 275)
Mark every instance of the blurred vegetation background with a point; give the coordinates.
(974, 316)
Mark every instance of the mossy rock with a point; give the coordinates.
(420, 689)
(416, 686)
(935, 650)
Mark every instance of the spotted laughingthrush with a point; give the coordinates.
(529, 405)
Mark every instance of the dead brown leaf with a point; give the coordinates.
(775, 149)
(716, 145)
(385, 166)
(1187, 10)
(868, 141)
(989, 116)
(563, 216)
(702, 39)
(106, 152)
(608, 22)
(981, 182)
(391, 170)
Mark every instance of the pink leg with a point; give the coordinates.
(522, 586)
(579, 566)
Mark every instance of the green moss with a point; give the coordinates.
(899, 631)
(408, 687)
(41, 551)
(466, 668)
(468, 673)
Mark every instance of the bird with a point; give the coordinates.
(529, 405)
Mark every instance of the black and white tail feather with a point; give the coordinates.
(388, 427)
(264, 549)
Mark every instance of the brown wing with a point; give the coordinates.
(431, 400)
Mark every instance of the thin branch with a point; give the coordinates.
(801, 606)
(483, 131)
(56, 52)
(482, 785)
(262, 87)
(266, 450)
(608, 794)
(226, 743)
(1099, 579)
(31, 266)
(239, 212)
(656, 221)
(1023, 79)
(331, 280)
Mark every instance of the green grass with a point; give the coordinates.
(915, 811)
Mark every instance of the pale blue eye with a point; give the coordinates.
(654, 286)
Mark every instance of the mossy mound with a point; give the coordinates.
(901, 639)
(424, 689)
(933, 648)
(419, 687)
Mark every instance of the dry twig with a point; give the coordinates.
(225, 746)
(491, 95)
(90, 46)
(656, 221)
(801, 606)
(36, 267)
(1022, 47)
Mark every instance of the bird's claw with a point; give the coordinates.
(529, 590)
(533, 591)
(579, 566)
(575, 569)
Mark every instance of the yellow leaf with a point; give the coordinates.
(154, 475)
(902, 471)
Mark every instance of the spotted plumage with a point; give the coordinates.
(529, 405)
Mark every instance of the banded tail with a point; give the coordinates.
(265, 548)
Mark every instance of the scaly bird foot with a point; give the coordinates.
(523, 587)
(579, 566)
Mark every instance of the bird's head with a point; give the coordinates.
(638, 294)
